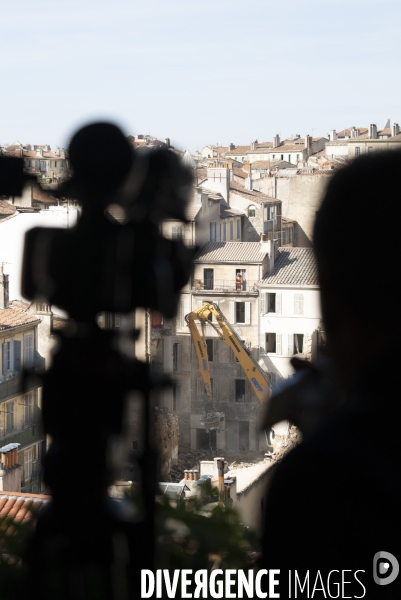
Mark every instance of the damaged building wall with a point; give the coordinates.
(166, 434)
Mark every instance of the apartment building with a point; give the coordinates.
(290, 313)
(22, 441)
(227, 274)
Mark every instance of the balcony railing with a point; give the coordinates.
(28, 436)
(224, 285)
(13, 387)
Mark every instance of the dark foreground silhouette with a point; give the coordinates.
(335, 500)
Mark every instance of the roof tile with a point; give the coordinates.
(234, 252)
(294, 266)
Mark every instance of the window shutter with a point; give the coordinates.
(4, 363)
(248, 313)
(231, 316)
(262, 343)
(263, 302)
(279, 304)
(279, 349)
(17, 355)
(301, 304)
(298, 304)
(290, 351)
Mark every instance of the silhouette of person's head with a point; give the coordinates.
(356, 244)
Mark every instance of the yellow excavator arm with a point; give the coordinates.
(252, 370)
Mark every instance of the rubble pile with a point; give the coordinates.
(283, 444)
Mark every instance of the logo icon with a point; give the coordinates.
(385, 568)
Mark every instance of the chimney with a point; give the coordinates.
(248, 182)
(231, 146)
(395, 130)
(373, 131)
(354, 132)
(167, 142)
(58, 151)
(276, 141)
(3, 289)
(62, 153)
(333, 135)
(254, 144)
(39, 152)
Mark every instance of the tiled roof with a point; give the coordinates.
(293, 266)
(192, 210)
(212, 194)
(226, 212)
(39, 195)
(287, 220)
(15, 316)
(233, 252)
(240, 173)
(251, 195)
(6, 208)
(347, 132)
(238, 150)
(279, 149)
(51, 155)
(21, 508)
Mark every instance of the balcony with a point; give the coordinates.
(224, 285)
(13, 387)
(28, 436)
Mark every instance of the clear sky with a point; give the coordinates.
(212, 71)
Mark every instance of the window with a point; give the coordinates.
(271, 303)
(289, 158)
(6, 357)
(298, 343)
(297, 157)
(298, 304)
(238, 229)
(231, 230)
(208, 277)
(240, 312)
(357, 151)
(240, 280)
(55, 163)
(117, 320)
(370, 149)
(176, 357)
(28, 351)
(213, 232)
(9, 417)
(156, 319)
(240, 390)
(251, 212)
(210, 350)
(177, 233)
(282, 157)
(274, 156)
(28, 409)
(28, 464)
(271, 342)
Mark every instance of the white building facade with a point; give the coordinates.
(289, 311)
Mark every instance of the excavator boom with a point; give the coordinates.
(252, 370)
